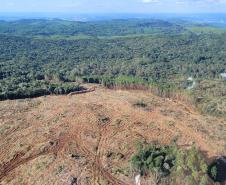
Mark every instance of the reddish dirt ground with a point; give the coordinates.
(91, 137)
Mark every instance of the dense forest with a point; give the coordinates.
(93, 29)
(41, 57)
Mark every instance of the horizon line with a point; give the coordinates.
(102, 13)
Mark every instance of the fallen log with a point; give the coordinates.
(82, 92)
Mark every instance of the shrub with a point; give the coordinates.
(154, 158)
(187, 166)
(213, 172)
(191, 163)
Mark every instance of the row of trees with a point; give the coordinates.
(36, 89)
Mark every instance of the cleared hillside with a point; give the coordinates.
(90, 138)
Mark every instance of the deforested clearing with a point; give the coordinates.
(90, 138)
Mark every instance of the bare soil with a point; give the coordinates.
(91, 137)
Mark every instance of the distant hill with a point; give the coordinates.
(42, 27)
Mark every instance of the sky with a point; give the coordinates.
(114, 6)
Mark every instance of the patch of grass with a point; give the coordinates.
(124, 171)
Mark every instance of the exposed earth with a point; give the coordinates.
(90, 138)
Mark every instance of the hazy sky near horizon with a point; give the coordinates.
(114, 6)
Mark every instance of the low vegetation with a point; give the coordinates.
(154, 158)
(210, 97)
(179, 165)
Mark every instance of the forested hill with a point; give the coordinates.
(153, 57)
(100, 28)
(39, 57)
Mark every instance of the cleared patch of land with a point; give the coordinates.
(90, 138)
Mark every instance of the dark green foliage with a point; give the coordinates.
(213, 172)
(187, 166)
(36, 89)
(135, 54)
(154, 158)
(162, 57)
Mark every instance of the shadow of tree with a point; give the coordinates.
(220, 165)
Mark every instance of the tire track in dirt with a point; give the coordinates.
(105, 133)
(102, 129)
(4, 151)
(136, 124)
(95, 159)
(19, 159)
(96, 163)
(8, 133)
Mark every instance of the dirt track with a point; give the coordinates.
(92, 136)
